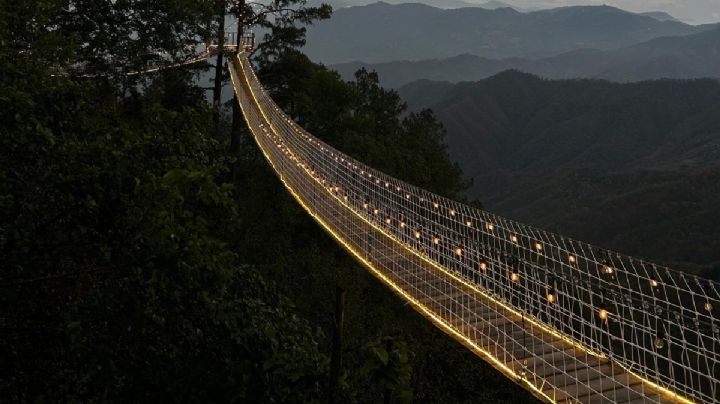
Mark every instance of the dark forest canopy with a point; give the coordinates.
(142, 261)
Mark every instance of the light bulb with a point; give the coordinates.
(514, 239)
(483, 266)
(436, 240)
(417, 234)
(571, 259)
(515, 277)
(388, 220)
(603, 314)
(402, 225)
(708, 306)
(659, 343)
(458, 250)
(551, 297)
(654, 283)
(468, 223)
(490, 226)
(452, 212)
(608, 269)
(538, 246)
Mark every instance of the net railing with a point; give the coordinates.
(657, 323)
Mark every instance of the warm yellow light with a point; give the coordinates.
(608, 269)
(388, 220)
(407, 196)
(435, 205)
(376, 211)
(538, 246)
(438, 321)
(365, 205)
(468, 223)
(571, 259)
(515, 277)
(387, 184)
(603, 314)
(402, 225)
(490, 226)
(436, 240)
(551, 297)
(458, 250)
(654, 283)
(708, 306)
(514, 239)
(452, 212)
(483, 266)
(417, 234)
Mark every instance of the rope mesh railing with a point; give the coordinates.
(573, 321)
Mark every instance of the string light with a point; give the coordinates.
(417, 233)
(654, 283)
(571, 258)
(468, 223)
(388, 220)
(551, 297)
(538, 246)
(514, 238)
(603, 314)
(608, 269)
(515, 277)
(483, 265)
(452, 212)
(458, 251)
(708, 306)
(376, 211)
(435, 205)
(436, 240)
(490, 226)
(402, 225)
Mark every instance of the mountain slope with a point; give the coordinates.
(629, 166)
(383, 32)
(690, 56)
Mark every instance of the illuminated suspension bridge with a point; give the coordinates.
(569, 321)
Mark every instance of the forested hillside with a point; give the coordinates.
(633, 167)
(382, 32)
(144, 257)
(680, 57)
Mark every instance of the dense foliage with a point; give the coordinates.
(141, 262)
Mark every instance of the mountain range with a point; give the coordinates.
(382, 32)
(628, 166)
(690, 56)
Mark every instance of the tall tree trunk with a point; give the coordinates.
(236, 118)
(336, 359)
(217, 91)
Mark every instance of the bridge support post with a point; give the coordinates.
(217, 90)
(237, 118)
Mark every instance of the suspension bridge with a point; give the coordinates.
(569, 321)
